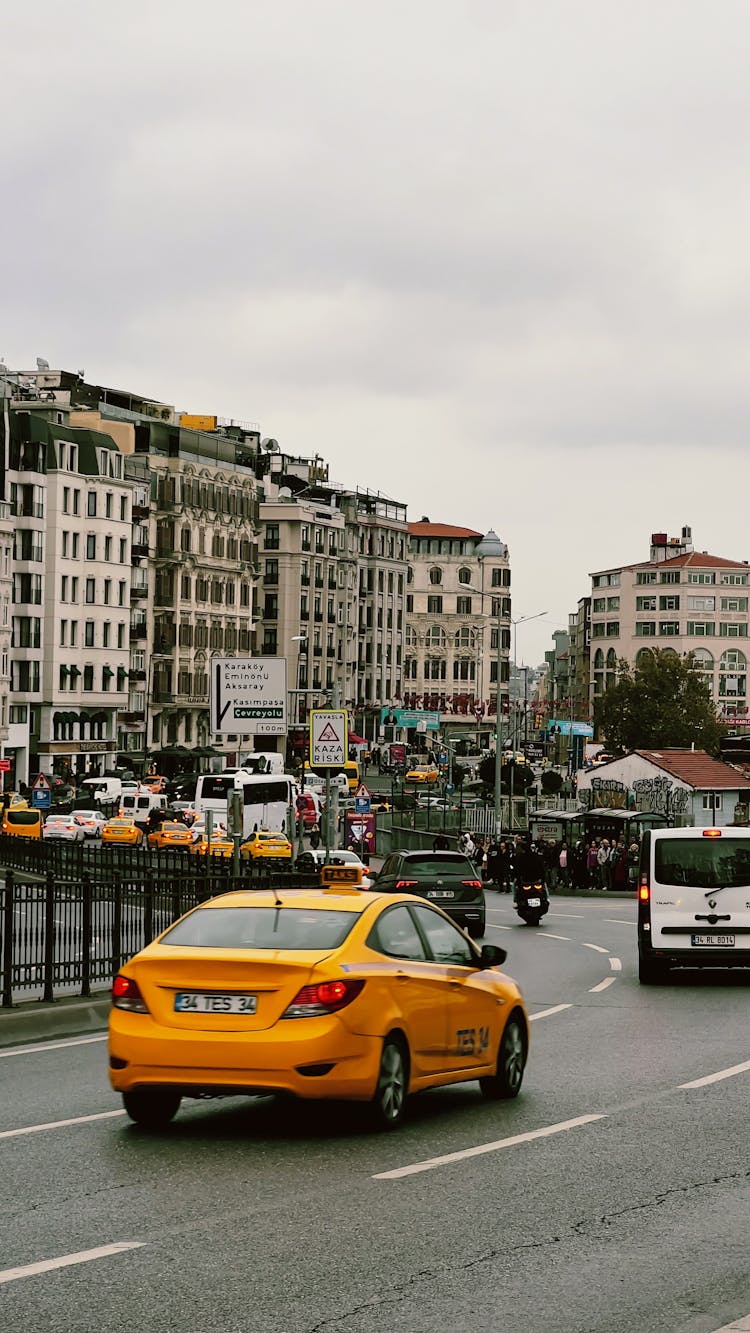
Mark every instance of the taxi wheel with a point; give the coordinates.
(151, 1107)
(386, 1110)
(511, 1059)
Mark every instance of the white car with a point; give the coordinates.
(63, 827)
(198, 828)
(339, 858)
(91, 821)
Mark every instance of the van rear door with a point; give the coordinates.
(700, 893)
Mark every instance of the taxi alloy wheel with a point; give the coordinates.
(389, 1103)
(151, 1107)
(511, 1060)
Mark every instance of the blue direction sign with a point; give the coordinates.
(41, 795)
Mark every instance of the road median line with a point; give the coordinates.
(432, 1163)
(68, 1260)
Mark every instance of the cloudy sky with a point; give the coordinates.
(489, 257)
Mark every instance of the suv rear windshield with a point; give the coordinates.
(704, 863)
(446, 862)
(262, 928)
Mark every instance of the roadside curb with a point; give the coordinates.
(69, 1017)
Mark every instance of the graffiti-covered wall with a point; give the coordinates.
(633, 783)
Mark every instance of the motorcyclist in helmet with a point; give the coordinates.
(529, 866)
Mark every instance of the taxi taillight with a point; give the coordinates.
(126, 994)
(325, 998)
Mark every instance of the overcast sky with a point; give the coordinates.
(489, 257)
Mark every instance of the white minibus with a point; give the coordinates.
(266, 798)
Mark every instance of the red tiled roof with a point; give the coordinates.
(696, 768)
(440, 530)
(698, 559)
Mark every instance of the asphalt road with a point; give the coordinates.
(628, 1213)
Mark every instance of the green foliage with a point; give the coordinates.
(551, 782)
(460, 772)
(662, 702)
(486, 771)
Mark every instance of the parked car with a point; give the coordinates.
(446, 878)
(91, 821)
(64, 827)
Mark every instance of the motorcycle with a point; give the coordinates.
(532, 903)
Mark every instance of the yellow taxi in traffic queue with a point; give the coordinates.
(334, 993)
(262, 844)
(423, 773)
(124, 832)
(170, 834)
(221, 845)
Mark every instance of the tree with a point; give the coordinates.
(523, 775)
(552, 781)
(663, 701)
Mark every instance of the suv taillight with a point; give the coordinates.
(325, 998)
(126, 994)
(472, 883)
(406, 883)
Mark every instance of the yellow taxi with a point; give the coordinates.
(423, 773)
(170, 834)
(221, 845)
(263, 844)
(332, 993)
(124, 832)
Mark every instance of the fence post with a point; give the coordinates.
(148, 906)
(86, 934)
(49, 936)
(8, 941)
(116, 923)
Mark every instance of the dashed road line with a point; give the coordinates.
(549, 936)
(547, 1013)
(718, 1076)
(50, 1046)
(59, 1124)
(615, 964)
(432, 1163)
(596, 947)
(67, 1260)
(617, 921)
(593, 990)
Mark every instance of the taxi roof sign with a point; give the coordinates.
(330, 875)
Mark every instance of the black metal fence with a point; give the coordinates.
(73, 860)
(64, 935)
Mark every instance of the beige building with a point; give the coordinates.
(458, 600)
(679, 600)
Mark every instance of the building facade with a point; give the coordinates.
(681, 601)
(458, 602)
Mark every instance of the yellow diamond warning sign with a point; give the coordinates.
(328, 737)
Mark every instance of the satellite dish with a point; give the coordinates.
(271, 446)
(41, 364)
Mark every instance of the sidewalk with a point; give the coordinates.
(31, 1021)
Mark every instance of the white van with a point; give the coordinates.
(262, 761)
(693, 900)
(105, 791)
(138, 805)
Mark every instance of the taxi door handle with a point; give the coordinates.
(402, 976)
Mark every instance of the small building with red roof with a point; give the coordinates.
(685, 787)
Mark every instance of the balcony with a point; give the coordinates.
(138, 590)
(318, 617)
(131, 719)
(139, 631)
(141, 511)
(317, 650)
(136, 675)
(305, 580)
(332, 582)
(166, 553)
(318, 582)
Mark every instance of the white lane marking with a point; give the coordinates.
(431, 1163)
(59, 1124)
(549, 936)
(596, 947)
(65, 1260)
(717, 1078)
(50, 1046)
(491, 926)
(569, 916)
(546, 1013)
(740, 1325)
(615, 964)
(617, 921)
(602, 985)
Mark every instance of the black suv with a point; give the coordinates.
(446, 878)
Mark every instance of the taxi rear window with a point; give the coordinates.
(261, 928)
(704, 863)
(22, 816)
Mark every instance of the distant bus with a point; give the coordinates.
(266, 798)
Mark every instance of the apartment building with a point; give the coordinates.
(457, 602)
(682, 601)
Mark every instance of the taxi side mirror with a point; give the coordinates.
(491, 955)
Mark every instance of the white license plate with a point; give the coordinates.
(718, 941)
(195, 1002)
(534, 902)
(440, 893)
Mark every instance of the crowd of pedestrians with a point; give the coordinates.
(602, 863)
